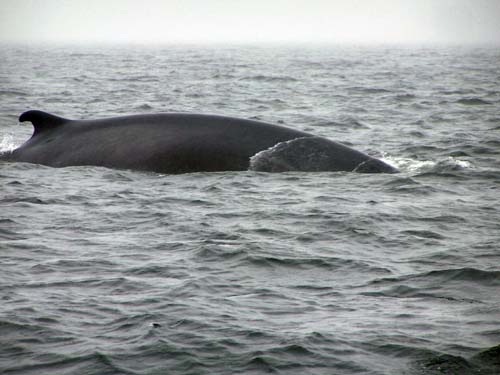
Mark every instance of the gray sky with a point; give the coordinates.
(172, 21)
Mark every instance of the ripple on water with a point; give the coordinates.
(122, 272)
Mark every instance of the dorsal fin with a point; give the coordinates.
(42, 121)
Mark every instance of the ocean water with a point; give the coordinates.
(121, 272)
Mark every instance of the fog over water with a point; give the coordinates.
(257, 21)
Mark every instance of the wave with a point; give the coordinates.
(486, 362)
(87, 54)
(352, 123)
(144, 107)
(449, 284)
(117, 283)
(7, 232)
(269, 78)
(488, 278)
(140, 78)
(404, 97)
(12, 93)
(368, 90)
(473, 101)
(424, 234)
(95, 363)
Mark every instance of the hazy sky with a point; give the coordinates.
(333, 21)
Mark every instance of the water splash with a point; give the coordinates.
(414, 166)
(7, 143)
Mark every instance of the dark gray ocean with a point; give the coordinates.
(121, 272)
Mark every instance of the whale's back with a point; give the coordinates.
(168, 143)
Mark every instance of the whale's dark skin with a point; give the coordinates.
(164, 143)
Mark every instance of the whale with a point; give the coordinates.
(173, 143)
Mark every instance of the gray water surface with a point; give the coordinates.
(121, 272)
